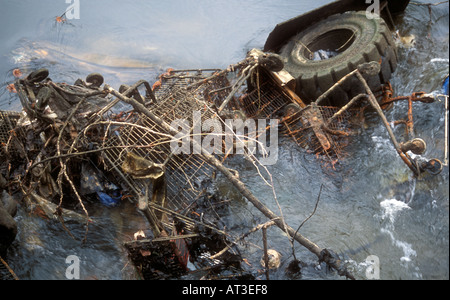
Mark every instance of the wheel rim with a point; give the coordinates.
(328, 45)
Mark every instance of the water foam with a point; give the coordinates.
(391, 208)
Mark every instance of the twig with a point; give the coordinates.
(63, 165)
(257, 165)
(238, 85)
(254, 229)
(162, 239)
(9, 269)
(305, 220)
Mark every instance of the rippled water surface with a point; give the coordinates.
(371, 206)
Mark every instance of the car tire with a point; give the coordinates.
(355, 39)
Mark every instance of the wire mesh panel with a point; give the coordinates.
(8, 121)
(320, 130)
(176, 79)
(177, 100)
(266, 100)
(184, 172)
(180, 97)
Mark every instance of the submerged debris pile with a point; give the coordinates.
(162, 146)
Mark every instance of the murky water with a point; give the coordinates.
(371, 207)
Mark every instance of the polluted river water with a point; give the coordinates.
(371, 208)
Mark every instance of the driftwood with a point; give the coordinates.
(322, 254)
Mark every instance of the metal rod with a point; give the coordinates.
(345, 107)
(324, 95)
(376, 106)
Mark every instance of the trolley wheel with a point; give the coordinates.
(95, 79)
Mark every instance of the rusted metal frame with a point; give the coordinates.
(184, 218)
(321, 128)
(373, 101)
(335, 131)
(156, 224)
(315, 118)
(417, 96)
(287, 121)
(294, 132)
(233, 177)
(409, 122)
(270, 108)
(173, 80)
(318, 130)
(273, 97)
